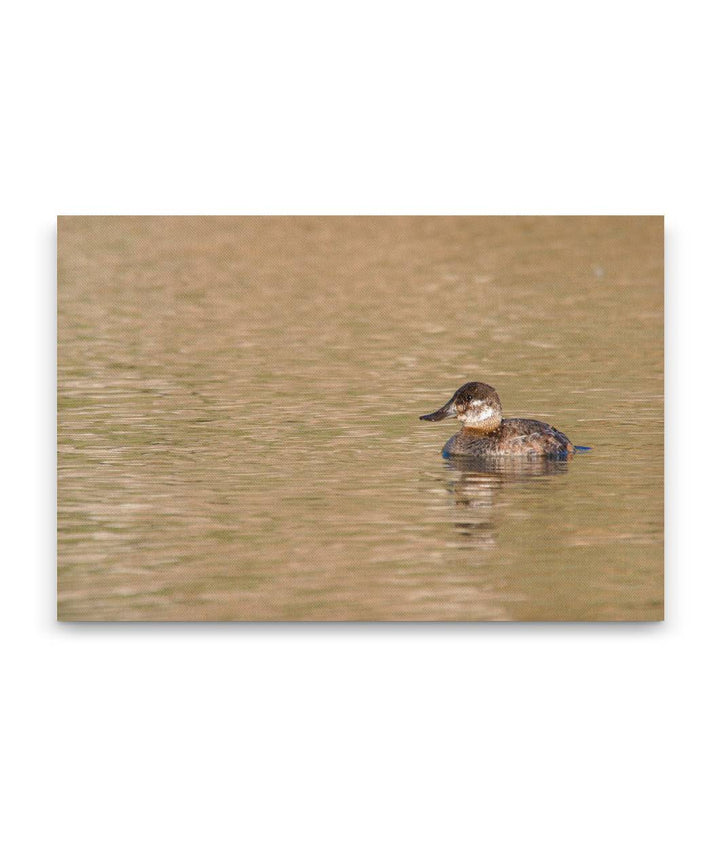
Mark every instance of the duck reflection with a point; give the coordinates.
(477, 484)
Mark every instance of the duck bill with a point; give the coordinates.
(447, 410)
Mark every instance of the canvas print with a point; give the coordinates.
(360, 418)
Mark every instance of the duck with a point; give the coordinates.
(486, 433)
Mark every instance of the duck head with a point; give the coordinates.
(475, 404)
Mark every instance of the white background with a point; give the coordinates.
(493, 739)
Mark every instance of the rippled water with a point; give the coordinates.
(238, 418)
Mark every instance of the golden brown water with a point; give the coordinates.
(238, 418)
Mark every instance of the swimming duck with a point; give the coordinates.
(485, 432)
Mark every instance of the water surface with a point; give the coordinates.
(238, 423)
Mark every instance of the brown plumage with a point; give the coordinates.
(485, 432)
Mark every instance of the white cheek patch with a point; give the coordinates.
(476, 415)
